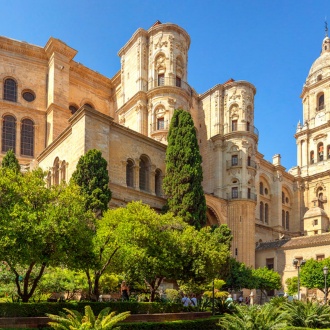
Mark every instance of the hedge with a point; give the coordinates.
(209, 324)
(40, 309)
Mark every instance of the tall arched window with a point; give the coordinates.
(63, 170)
(144, 174)
(27, 137)
(283, 218)
(320, 102)
(9, 134)
(56, 171)
(130, 173)
(10, 90)
(266, 213)
(328, 151)
(261, 188)
(287, 220)
(312, 157)
(158, 182)
(320, 152)
(261, 211)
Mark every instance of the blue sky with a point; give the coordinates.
(271, 44)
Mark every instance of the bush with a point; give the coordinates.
(40, 309)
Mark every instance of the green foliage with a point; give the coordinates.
(238, 275)
(183, 181)
(292, 285)
(74, 320)
(173, 295)
(40, 309)
(312, 315)
(311, 274)
(10, 161)
(40, 227)
(92, 176)
(207, 323)
(264, 317)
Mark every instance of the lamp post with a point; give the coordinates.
(296, 263)
(325, 272)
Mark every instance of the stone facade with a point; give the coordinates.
(53, 110)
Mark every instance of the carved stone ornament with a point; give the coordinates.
(320, 136)
(234, 96)
(160, 43)
(234, 111)
(171, 101)
(320, 185)
(160, 62)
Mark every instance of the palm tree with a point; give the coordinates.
(266, 317)
(311, 315)
(74, 320)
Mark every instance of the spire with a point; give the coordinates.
(326, 27)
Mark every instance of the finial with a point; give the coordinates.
(326, 27)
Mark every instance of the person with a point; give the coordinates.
(193, 300)
(124, 291)
(240, 299)
(229, 300)
(186, 301)
(247, 300)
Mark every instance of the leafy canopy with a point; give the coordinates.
(93, 178)
(10, 161)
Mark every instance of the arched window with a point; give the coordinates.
(320, 102)
(320, 151)
(283, 218)
(27, 138)
(9, 134)
(63, 170)
(266, 213)
(89, 105)
(73, 109)
(312, 157)
(10, 90)
(49, 179)
(287, 220)
(261, 188)
(158, 182)
(261, 211)
(328, 151)
(144, 174)
(283, 198)
(130, 173)
(56, 171)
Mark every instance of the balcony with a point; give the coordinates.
(321, 107)
(167, 81)
(252, 163)
(234, 162)
(225, 129)
(239, 195)
(159, 126)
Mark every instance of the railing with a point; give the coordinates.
(159, 126)
(234, 162)
(321, 107)
(225, 129)
(167, 81)
(240, 195)
(252, 163)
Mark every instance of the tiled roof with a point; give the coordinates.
(315, 240)
(271, 245)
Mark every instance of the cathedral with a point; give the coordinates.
(54, 109)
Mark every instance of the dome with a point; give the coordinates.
(323, 62)
(315, 212)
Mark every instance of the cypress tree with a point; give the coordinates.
(10, 161)
(92, 176)
(183, 181)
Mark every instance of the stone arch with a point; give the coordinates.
(211, 217)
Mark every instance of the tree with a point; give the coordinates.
(238, 276)
(10, 161)
(311, 274)
(152, 245)
(265, 279)
(183, 181)
(40, 227)
(292, 285)
(92, 176)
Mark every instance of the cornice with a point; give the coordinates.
(139, 32)
(57, 46)
(309, 87)
(310, 131)
(132, 101)
(169, 89)
(23, 48)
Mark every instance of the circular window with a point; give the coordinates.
(29, 96)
